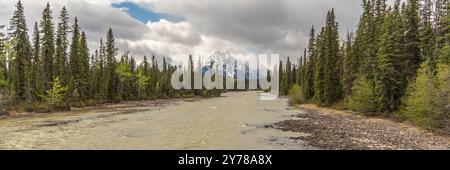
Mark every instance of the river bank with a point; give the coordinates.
(333, 129)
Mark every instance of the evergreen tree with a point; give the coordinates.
(3, 67)
(319, 72)
(48, 47)
(391, 79)
(110, 55)
(310, 66)
(427, 40)
(75, 64)
(20, 54)
(411, 40)
(329, 88)
(62, 44)
(102, 84)
(350, 66)
(443, 33)
(84, 67)
(36, 73)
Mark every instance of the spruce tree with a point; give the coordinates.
(110, 54)
(411, 40)
(319, 73)
(48, 47)
(391, 78)
(350, 66)
(3, 67)
(75, 64)
(427, 37)
(36, 73)
(443, 33)
(310, 66)
(21, 53)
(62, 44)
(328, 90)
(84, 67)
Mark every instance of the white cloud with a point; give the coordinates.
(180, 33)
(266, 26)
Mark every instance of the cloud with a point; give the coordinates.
(177, 33)
(262, 26)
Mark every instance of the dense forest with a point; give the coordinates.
(396, 64)
(52, 71)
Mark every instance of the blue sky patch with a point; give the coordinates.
(145, 15)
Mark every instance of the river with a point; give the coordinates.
(233, 121)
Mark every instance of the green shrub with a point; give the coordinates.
(363, 98)
(39, 107)
(296, 95)
(427, 100)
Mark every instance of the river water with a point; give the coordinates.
(233, 121)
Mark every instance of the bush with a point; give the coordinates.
(426, 103)
(39, 107)
(363, 98)
(296, 95)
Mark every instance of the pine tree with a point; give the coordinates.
(391, 78)
(281, 74)
(287, 76)
(443, 33)
(3, 68)
(366, 41)
(350, 66)
(411, 40)
(427, 37)
(61, 63)
(328, 89)
(48, 47)
(75, 64)
(110, 54)
(319, 72)
(310, 66)
(21, 53)
(102, 84)
(36, 77)
(84, 67)
(191, 67)
(359, 50)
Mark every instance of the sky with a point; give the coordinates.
(177, 28)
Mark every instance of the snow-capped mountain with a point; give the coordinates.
(228, 59)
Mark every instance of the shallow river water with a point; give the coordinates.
(233, 121)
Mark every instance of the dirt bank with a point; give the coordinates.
(333, 129)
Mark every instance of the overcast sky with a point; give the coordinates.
(177, 28)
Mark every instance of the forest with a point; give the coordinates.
(55, 72)
(396, 64)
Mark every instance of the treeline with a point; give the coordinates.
(52, 71)
(396, 63)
